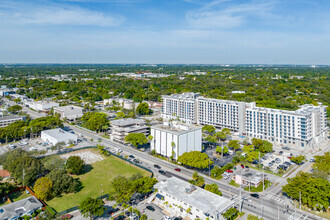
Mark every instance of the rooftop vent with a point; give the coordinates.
(190, 189)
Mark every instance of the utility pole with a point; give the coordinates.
(23, 176)
(300, 200)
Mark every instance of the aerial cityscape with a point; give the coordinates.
(164, 110)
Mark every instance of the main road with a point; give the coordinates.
(269, 207)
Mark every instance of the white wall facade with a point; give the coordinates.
(183, 142)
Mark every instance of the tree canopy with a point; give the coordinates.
(214, 188)
(136, 139)
(195, 159)
(14, 109)
(209, 129)
(143, 109)
(92, 207)
(322, 163)
(42, 188)
(74, 165)
(94, 121)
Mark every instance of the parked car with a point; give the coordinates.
(157, 166)
(229, 171)
(162, 172)
(150, 208)
(255, 162)
(285, 148)
(312, 160)
(66, 216)
(280, 153)
(247, 167)
(131, 156)
(167, 217)
(287, 163)
(177, 169)
(277, 160)
(255, 195)
(242, 165)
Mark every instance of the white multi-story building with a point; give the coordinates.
(43, 106)
(181, 198)
(176, 138)
(69, 112)
(180, 106)
(303, 127)
(9, 119)
(122, 127)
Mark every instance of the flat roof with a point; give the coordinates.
(176, 129)
(68, 107)
(127, 122)
(9, 117)
(16, 208)
(197, 197)
(59, 134)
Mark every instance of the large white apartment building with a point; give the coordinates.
(303, 127)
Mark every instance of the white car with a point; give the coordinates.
(167, 217)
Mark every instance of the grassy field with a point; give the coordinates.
(19, 195)
(96, 181)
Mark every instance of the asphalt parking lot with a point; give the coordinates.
(156, 215)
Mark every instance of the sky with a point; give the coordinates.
(165, 31)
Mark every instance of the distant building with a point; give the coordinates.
(303, 127)
(57, 135)
(4, 92)
(185, 138)
(122, 127)
(238, 92)
(20, 208)
(43, 106)
(125, 103)
(7, 120)
(69, 112)
(189, 201)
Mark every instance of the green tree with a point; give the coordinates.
(5, 187)
(213, 188)
(322, 163)
(136, 139)
(314, 192)
(299, 159)
(230, 214)
(74, 165)
(234, 144)
(195, 159)
(14, 109)
(197, 180)
(143, 109)
(42, 188)
(251, 156)
(53, 162)
(62, 182)
(209, 129)
(92, 207)
(248, 148)
(120, 115)
(95, 121)
(150, 137)
(253, 217)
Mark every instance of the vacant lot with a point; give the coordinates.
(95, 180)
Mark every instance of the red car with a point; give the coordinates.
(177, 169)
(229, 171)
(242, 165)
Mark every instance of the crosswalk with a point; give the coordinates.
(272, 196)
(298, 216)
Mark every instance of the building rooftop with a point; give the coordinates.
(176, 128)
(68, 108)
(127, 122)
(186, 96)
(15, 209)
(197, 197)
(59, 134)
(10, 117)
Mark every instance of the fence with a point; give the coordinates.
(106, 195)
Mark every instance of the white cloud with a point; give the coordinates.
(220, 14)
(56, 15)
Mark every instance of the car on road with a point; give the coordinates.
(67, 216)
(255, 195)
(136, 161)
(84, 139)
(177, 169)
(149, 207)
(131, 156)
(162, 172)
(229, 171)
(157, 166)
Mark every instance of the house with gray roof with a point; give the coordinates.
(20, 208)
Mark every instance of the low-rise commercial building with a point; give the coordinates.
(69, 112)
(249, 179)
(7, 120)
(20, 208)
(43, 106)
(171, 139)
(188, 201)
(57, 135)
(122, 127)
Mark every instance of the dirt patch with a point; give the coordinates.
(88, 156)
